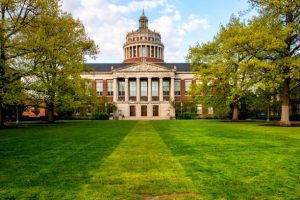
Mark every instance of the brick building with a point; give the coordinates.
(143, 85)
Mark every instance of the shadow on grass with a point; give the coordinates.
(53, 162)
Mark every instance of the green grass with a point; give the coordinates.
(150, 160)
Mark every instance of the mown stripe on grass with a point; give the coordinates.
(141, 166)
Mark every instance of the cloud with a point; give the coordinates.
(136, 5)
(107, 23)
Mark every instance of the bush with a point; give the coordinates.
(100, 116)
(186, 115)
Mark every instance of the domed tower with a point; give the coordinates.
(143, 44)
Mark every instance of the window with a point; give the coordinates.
(89, 110)
(199, 109)
(188, 84)
(121, 88)
(210, 110)
(99, 87)
(144, 90)
(155, 111)
(110, 88)
(155, 88)
(144, 111)
(166, 87)
(177, 88)
(132, 111)
(132, 88)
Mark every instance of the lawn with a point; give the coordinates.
(150, 160)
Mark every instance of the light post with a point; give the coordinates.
(105, 105)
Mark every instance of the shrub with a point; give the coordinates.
(100, 116)
(186, 115)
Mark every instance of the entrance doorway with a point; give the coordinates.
(144, 111)
(155, 111)
(132, 111)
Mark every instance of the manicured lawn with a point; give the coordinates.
(150, 160)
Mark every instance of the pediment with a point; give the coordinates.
(144, 67)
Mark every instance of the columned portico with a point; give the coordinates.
(142, 94)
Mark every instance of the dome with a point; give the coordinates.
(143, 44)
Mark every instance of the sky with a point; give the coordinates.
(182, 23)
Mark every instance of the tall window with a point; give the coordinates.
(132, 88)
(155, 88)
(121, 88)
(99, 87)
(110, 88)
(144, 86)
(188, 84)
(166, 87)
(177, 88)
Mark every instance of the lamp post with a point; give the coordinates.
(105, 105)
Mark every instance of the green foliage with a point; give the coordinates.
(276, 43)
(61, 44)
(104, 105)
(186, 115)
(16, 17)
(184, 106)
(100, 116)
(226, 69)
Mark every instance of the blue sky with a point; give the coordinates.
(182, 23)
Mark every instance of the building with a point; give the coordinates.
(143, 85)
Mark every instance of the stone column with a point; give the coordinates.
(172, 89)
(115, 89)
(149, 90)
(160, 52)
(138, 89)
(152, 50)
(126, 90)
(161, 97)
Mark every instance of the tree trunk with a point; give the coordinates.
(1, 117)
(285, 108)
(50, 113)
(235, 115)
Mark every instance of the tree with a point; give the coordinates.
(276, 41)
(225, 68)
(61, 44)
(16, 15)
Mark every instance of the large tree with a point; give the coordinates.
(276, 41)
(225, 68)
(16, 15)
(61, 44)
